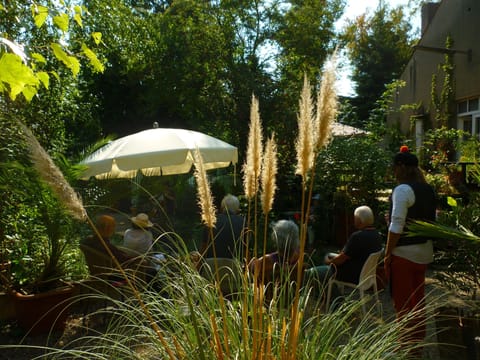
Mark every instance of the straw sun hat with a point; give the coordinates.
(142, 220)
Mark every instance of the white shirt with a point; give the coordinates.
(138, 240)
(403, 197)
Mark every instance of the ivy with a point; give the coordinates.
(443, 104)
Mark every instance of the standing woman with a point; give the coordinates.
(406, 258)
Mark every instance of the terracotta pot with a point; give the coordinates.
(43, 312)
(7, 309)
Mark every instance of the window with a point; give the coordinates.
(473, 105)
(468, 117)
(467, 124)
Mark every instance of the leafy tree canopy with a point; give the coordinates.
(379, 46)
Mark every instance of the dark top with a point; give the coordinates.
(423, 209)
(228, 237)
(358, 248)
(95, 243)
(276, 270)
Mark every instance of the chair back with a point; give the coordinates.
(368, 275)
(229, 273)
(98, 262)
(101, 264)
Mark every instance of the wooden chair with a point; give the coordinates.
(367, 280)
(101, 264)
(106, 279)
(229, 273)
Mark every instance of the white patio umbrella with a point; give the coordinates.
(339, 129)
(158, 151)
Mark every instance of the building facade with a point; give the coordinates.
(414, 111)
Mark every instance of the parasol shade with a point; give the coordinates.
(158, 151)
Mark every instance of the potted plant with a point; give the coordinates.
(37, 238)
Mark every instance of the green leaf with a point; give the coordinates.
(40, 14)
(15, 74)
(97, 65)
(78, 15)
(78, 19)
(44, 78)
(438, 231)
(39, 58)
(29, 92)
(61, 21)
(55, 74)
(70, 61)
(97, 37)
(75, 65)
(451, 201)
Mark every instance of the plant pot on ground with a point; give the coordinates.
(43, 312)
(40, 241)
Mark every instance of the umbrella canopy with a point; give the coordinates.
(339, 129)
(158, 151)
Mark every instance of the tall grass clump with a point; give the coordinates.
(193, 327)
(251, 171)
(182, 315)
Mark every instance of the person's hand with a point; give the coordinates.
(387, 262)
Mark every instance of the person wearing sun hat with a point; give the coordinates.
(406, 258)
(139, 238)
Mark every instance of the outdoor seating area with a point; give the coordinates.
(294, 180)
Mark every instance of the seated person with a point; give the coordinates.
(139, 238)
(105, 226)
(347, 265)
(281, 264)
(228, 233)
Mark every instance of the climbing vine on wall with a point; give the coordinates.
(443, 104)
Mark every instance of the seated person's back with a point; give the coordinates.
(139, 238)
(105, 225)
(347, 265)
(360, 245)
(228, 233)
(281, 265)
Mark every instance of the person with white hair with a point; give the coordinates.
(229, 232)
(347, 265)
(279, 266)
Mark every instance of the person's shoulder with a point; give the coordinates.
(403, 187)
(404, 190)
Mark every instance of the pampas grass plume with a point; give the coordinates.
(268, 175)
(326, 104)
(52, 176)
(252, 166)
(306, 131)
(205, 198)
